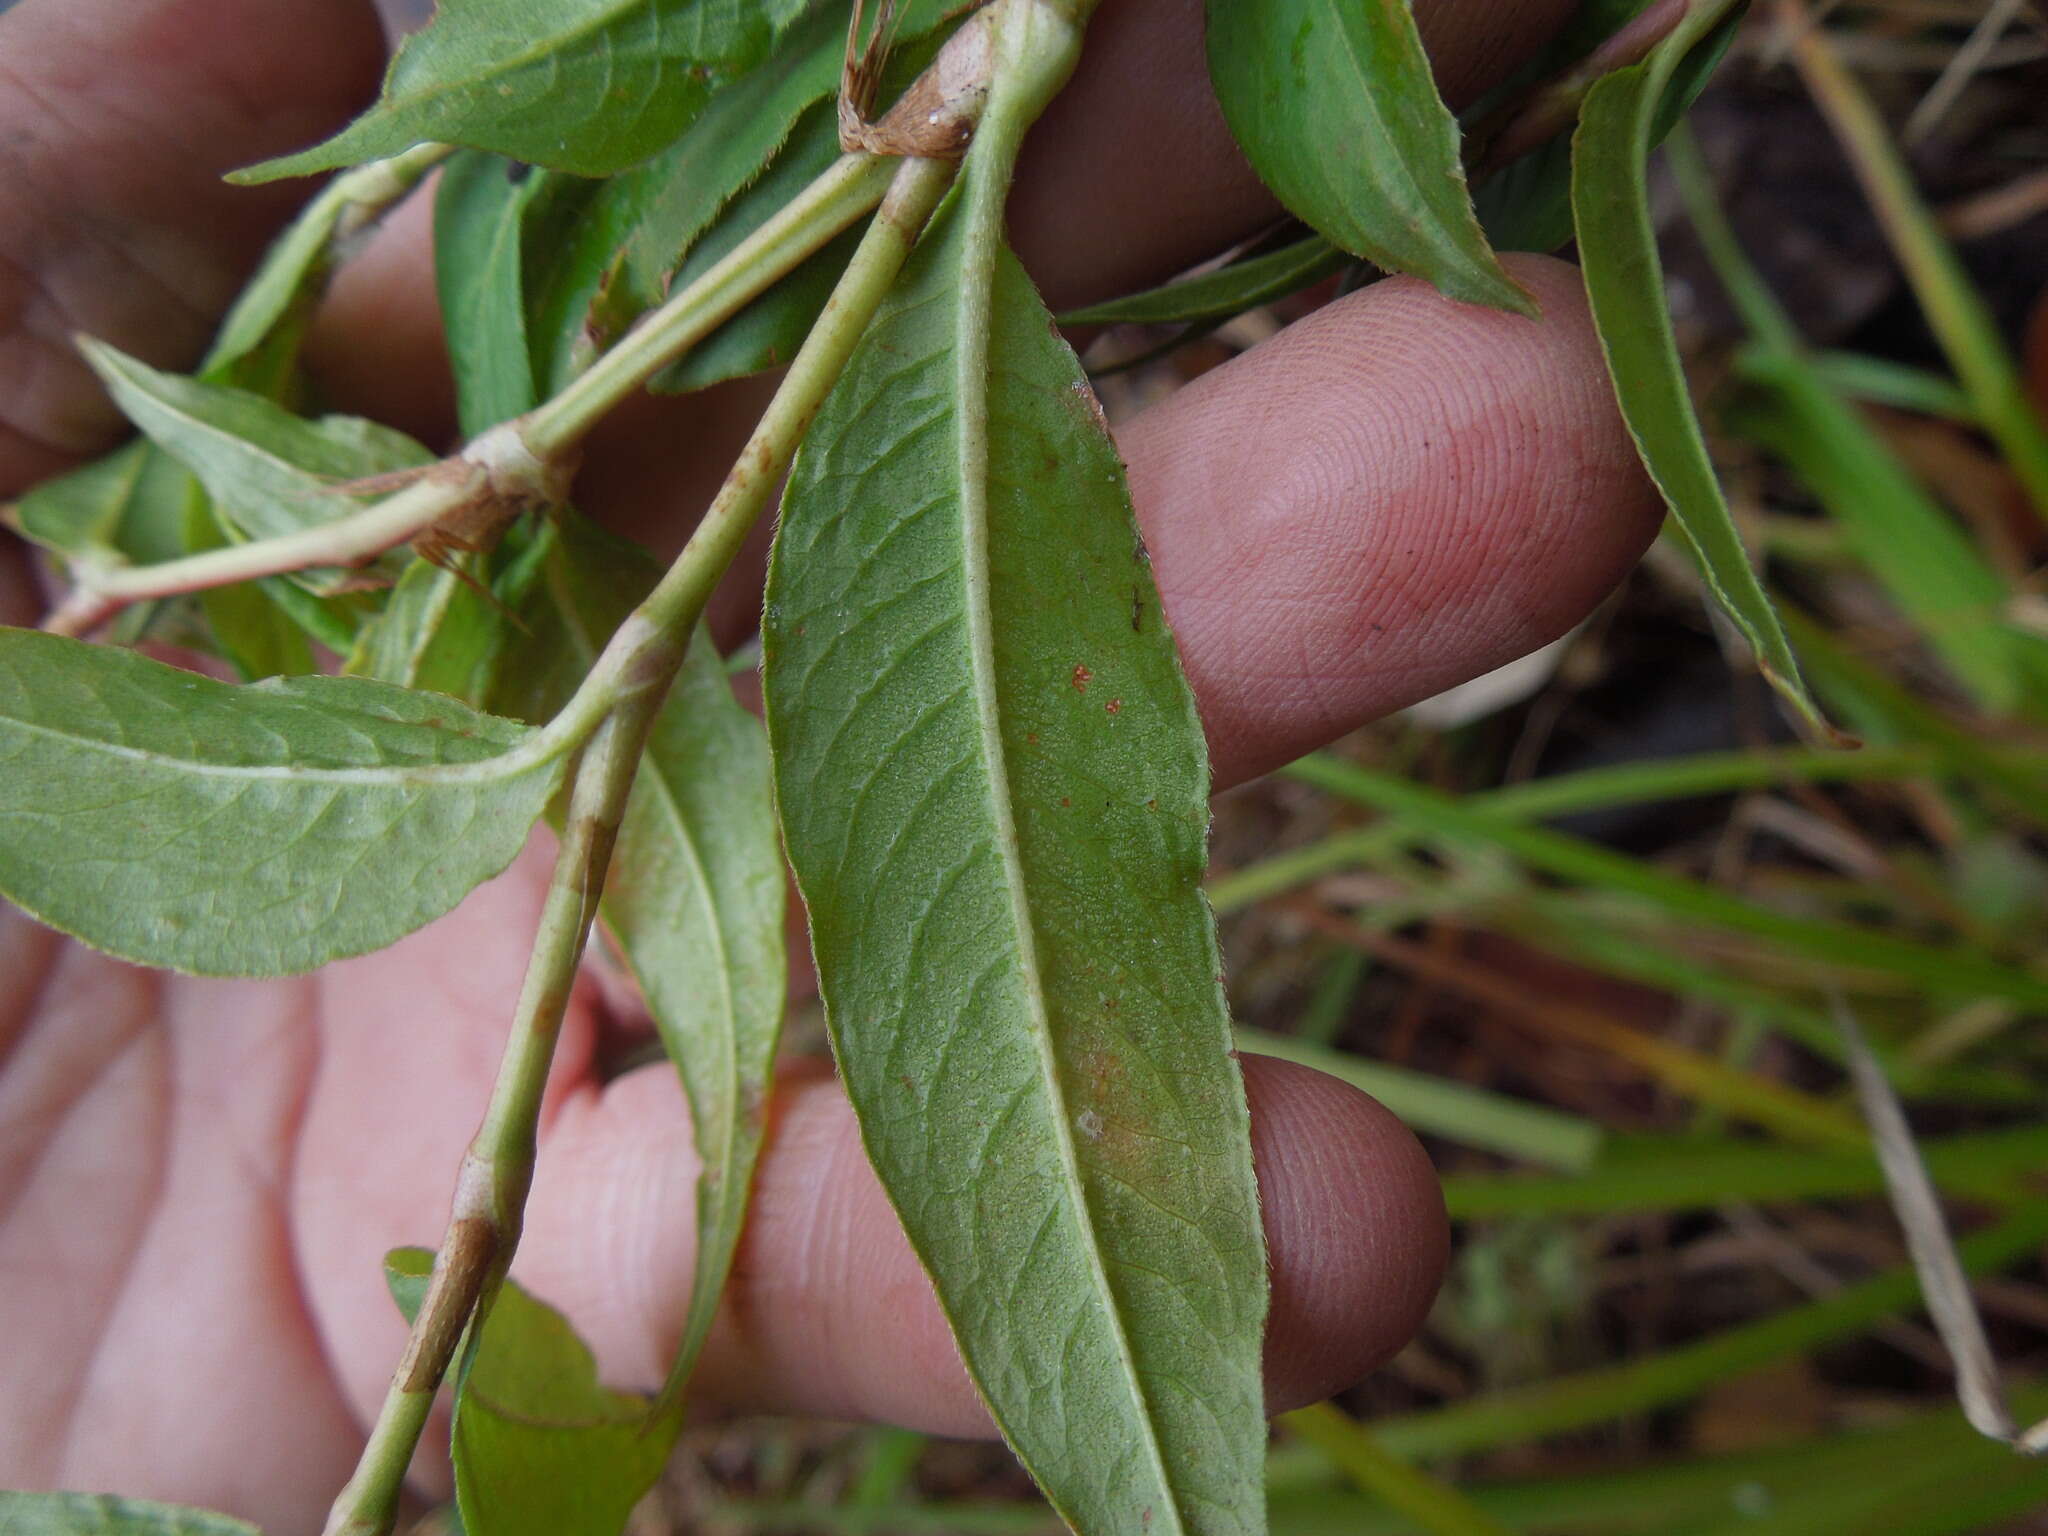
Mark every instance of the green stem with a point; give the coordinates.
(497, 1171)
(619, 703)
(654, 634)
(849, 188)
(517, 457)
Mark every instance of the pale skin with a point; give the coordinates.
(197, 1178)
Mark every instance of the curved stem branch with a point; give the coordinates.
(614, 710)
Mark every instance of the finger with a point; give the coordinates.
(828, 1312)
(1393, 495)
(117, 120)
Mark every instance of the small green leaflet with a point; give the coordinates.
(179, 822)
(769, 330)
(130, 503)
(695, 903)
(481, 211)
(588, 86)
(1231, 290)
(1625, 283)
(541, 1447)
(615, 263)
(98, 1514)
(270, 472)
(1333, 103)
(696, 896)
(994, 790)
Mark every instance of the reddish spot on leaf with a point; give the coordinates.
(1081, 677)
(1114, 705)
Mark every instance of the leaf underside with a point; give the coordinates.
(541, 1447)
(259, 831)
(993, 789)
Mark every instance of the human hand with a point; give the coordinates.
(198, 1178)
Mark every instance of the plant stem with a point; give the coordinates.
(100, 592)
(614, 710)
(497, 1170)
(661, 624)
(544, 437)
(849, 188)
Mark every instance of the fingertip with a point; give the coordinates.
(1355, 1226)
(1393, 495)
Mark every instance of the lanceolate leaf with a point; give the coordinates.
(1528, 205)
(588, 86)
(541, 1447)
(481, 209)
(1625, 282)
(993, 788)
(96, 1514)
(258, 831)
(1333, 103)
(696, 897)
(270, 472)
(769, 330)
(130, 503)
(1225, 292)
(695, 903)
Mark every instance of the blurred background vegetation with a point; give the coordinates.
(1582, 923)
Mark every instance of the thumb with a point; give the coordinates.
(118, 119)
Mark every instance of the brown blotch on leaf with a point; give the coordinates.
(1082, 677)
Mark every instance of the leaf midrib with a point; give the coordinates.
(973, 321)
(505, 764)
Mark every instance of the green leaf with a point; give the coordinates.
(1334, 105)
(481, 208)
(541, 1447)
(1625, 283)
(768, 331)
(994, 791)
(1527, 206)
(588, 86)
(258, 831)
(695, 903)
(1220, 294)
(99, 1514)
(129, 504)
(617, 261)
(696, 897)
(271, 472)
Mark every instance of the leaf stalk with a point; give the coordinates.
(611, 715)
